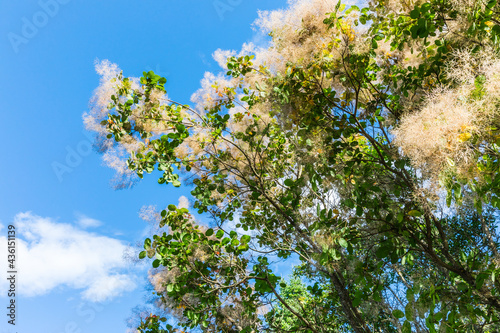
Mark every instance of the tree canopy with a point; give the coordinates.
(361, 144)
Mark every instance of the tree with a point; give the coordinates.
(363, 142)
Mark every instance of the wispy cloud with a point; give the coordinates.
(87, 222)
(52, 255)
(107, 287)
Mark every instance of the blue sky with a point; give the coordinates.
(72, 226)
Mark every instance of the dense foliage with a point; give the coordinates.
(362, 145)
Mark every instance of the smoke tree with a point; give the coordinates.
(362, 144)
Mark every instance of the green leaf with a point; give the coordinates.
(414, 14)
(156, 263)
(142, 255)
(172, 207)
(219, 234)
(400, 217)
(414, 213)
(406, 327)
(409, 311)
(410, 295)
(209, 232)
(398, 314)
(495, 202)
(245, 239)
(349, 203)
(462, 286)
(342, 242)
(350, 9)
(357, 298)
(383, 251)
(336, 254)
(480, 280)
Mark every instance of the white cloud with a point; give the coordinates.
(107, 287)
(87, 222)
(183, 202)
(52, 255)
